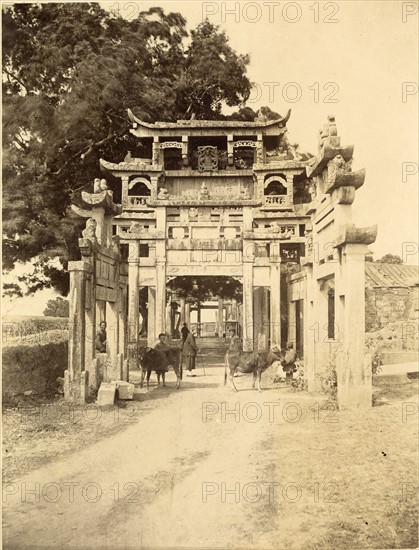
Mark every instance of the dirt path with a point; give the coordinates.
(193, 475)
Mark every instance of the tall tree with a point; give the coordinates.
(70, 72)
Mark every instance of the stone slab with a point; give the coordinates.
(106, 394)
(125, 389)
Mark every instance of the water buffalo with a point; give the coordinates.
(250, 362)
(151, 359)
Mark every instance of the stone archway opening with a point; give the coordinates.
(210, 306)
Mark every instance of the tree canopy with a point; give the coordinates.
(58, 307)
(70, 71)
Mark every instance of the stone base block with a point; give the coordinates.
(106, 394)
(125, 389)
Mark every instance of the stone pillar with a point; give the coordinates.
(185, 159)
(122, 343)
(354, 368)
(75, 376)
(156, 151)
(230, 150)
(133, 302)
(247, 325)
(182, 312)
(309, 334)
(275, 320)
(234, 309)
(258, 334)
(91, 328)
(188, 313)
(112, 337)
(169, 319)
(220, 317)
(124, 197)
(160, 295)
(151, 312)
(292, 323)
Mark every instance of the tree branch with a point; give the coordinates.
(18, 80)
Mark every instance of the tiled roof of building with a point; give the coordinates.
(390, 275)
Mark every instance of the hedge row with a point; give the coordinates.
(33, 367)
(21, 328)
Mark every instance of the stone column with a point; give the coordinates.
(309, 335)
(156, 151)
(354, 368)
(182, 312)
(160, 295)
(257, 318)
(151, 312)
(275, 276)
(185, 144)
(124, 197)
(247, 304)
(91, 329)
(112, 336)
(133, 302)
(292, 323)
(234, 309)
(220, 318)
(75, 376)
(230, 150)
(188, 313)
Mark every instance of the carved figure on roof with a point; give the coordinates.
(104, 185)
(340, 164)
(128, 157)
(90, 231)
(96, 185)
(329, 130)
(261, 117)
(163, 193)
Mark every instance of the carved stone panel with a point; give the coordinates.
(207, 158)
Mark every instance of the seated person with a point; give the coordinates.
(101, 338)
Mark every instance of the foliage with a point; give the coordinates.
(57, 307)
(33, 367)
(299, 382)
(35, 329)
(70, 71)
(390, 259)
(201, 289)
(328, 379)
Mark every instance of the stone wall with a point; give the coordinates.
(387, 305)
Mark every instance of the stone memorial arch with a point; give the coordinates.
(233, 199)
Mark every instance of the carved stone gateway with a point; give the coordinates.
(248, 209)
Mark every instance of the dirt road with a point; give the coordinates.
(208, 468)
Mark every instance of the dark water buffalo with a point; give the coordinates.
(250, 362)
(151, 359)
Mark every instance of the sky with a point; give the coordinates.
(357, 60)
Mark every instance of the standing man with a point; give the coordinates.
(288, 363)
(185, 331)
(101, 338)
(189, 351)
